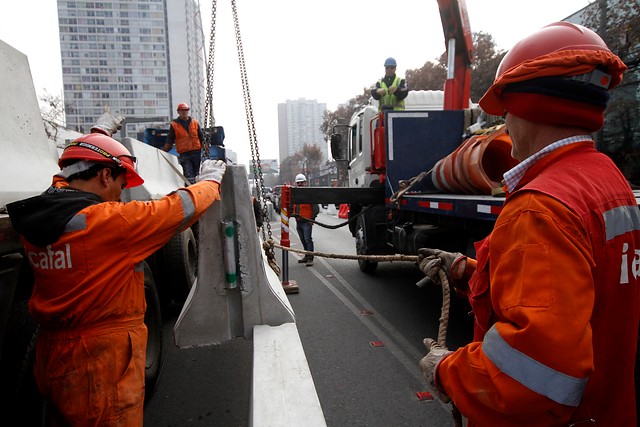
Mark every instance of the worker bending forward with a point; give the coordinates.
(555, 288)
(87, 249)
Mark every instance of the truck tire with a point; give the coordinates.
(361, 248)
(180, 264)
(153, 321)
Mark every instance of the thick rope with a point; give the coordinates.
(375, 258)
(442, 332)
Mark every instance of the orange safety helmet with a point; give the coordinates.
(183, 106)
(102, 149)
(561, 49)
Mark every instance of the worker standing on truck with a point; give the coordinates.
(186, 134)
(555, 290)
(391, 90)
(87, 249)
(303, 213)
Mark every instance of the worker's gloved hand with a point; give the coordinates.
(381, 91)
(212, 170)
(392, 90)
(107, 123)
(430, 260)
(429, 363)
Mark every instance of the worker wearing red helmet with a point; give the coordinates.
(555, 290)
(186, 134)
(86, 249)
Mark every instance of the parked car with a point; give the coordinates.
(268, 194)
(277, 191)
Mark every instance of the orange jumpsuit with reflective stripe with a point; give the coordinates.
(556, 300)
(89, 299)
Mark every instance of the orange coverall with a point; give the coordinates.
(556, 300)
(89, 300)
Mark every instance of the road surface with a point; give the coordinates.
(362, 335)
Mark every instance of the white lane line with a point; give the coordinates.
(405, 353)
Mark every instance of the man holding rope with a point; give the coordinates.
(555, 287)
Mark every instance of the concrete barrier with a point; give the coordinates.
(213, 313)
(29, 158)
(283, 392)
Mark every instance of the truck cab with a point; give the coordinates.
(366, 146)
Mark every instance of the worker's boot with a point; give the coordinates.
(309, 261)
(303, 259)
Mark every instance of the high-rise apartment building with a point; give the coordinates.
(140, 57)
(299, 124)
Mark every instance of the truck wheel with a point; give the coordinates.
(180, 257)
(153, 320)
(361, 248)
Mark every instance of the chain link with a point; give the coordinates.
(253, 140)
(209, 119)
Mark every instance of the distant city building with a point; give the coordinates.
(299, 124)
(141, 57)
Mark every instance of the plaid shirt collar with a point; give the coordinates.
(513, 176)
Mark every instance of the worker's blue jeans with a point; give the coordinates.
(304, 232)
(190, 162)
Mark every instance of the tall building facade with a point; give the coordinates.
(299, 123)
(140, 57)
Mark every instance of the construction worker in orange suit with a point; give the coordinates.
(555, 289)
(186, 134)
(304, 214)
(86, 249)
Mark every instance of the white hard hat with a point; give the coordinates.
(301, 178)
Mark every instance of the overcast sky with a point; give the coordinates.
(324, 50)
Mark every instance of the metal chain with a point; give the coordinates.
(209, 119)
(253, 140)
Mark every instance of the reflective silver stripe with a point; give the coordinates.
(188, 208)
(559, 387)
(77, 223)
(139, 267)
(621, 220)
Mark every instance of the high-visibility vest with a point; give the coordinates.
(389, 100)
(186, 141)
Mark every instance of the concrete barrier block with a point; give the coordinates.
(283, 392)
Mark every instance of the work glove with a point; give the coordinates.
(212, 170)
(381, 91)
(429, 363)
(107, 123)
(392, 90)
(430, 260)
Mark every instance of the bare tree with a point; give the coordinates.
(52, 113)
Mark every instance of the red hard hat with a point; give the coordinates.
(561, 49)
(103, 149)
(183, 106)
(554, 37)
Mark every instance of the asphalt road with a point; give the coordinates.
(362, 335)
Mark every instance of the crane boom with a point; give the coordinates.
(459, 43)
